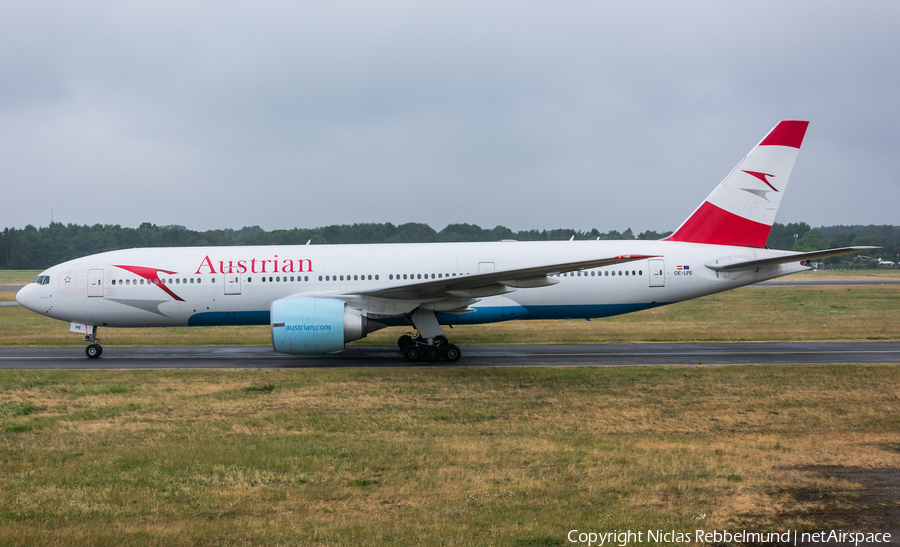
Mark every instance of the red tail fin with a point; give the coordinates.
(742, 208)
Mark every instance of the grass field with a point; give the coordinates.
(439, 456)
(458, 456)
(747, 314)
(17, 277)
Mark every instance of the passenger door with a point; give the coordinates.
(95, 283)
(232, 283)
(657, 272)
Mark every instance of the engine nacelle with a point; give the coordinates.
(314, 326)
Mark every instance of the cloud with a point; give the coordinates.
(525, 114)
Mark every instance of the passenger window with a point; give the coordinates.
(199, 280)
(640, 272)
(376, 277)
(114, 281)
(306, 278)
(142, 281)
(632, 272)
(270, 279)
(370, 277)
(404, 276)
(249, 279)
(391, 276)
(264, 279)
(156, 281)
(626, 272)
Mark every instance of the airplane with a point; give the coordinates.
(886, 262)
(316, 298)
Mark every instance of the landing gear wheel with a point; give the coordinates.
(412, 353)
(432, 354)
(441, 340)
(404, 342)
(452, 353)
(93, 351)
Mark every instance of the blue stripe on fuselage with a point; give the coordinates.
(224, 318)
(492, 314)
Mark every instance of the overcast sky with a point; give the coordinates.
(539, 115)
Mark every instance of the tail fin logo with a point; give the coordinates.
(762, 177)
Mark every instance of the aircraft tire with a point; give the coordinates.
(93, 351)
(412, 353)
(404, 342)
(452, 353)
(432, 354)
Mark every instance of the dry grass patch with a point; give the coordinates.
(399, 457)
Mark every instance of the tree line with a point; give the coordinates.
(32, 248)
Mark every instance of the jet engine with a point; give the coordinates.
(315, 326)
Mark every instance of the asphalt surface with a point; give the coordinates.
(10, 287)
(473, 356)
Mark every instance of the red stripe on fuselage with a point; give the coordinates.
(152, 275)
(716, 226)
(786, 133)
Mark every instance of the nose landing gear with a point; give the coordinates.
(94, 349)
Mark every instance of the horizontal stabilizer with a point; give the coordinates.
(798, 257)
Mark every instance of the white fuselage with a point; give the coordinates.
(237, 285)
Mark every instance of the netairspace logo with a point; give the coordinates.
(307, 327)
(791, 537)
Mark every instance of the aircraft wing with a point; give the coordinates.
(799, 257)
(496, 282)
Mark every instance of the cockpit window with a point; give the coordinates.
(46, 280)
(42, 280)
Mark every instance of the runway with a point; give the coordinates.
(473, 356)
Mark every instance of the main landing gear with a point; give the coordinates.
(431, 344)
(93, 350)
(418, 348)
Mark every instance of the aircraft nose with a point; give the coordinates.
(22, 296)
